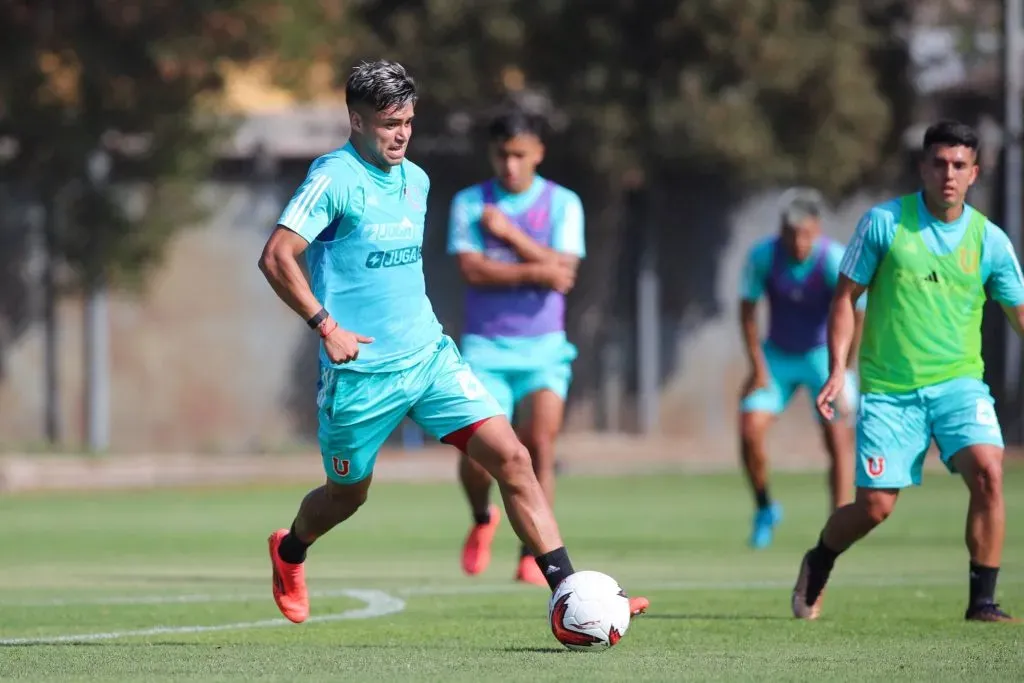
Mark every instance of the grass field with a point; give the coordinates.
(173, 585)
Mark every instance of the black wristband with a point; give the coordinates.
(317, 318)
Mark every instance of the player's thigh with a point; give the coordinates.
(357, 412)
(498, 384)
(784, 374)
(892, 439)
(451, 396)
(540, 400)
(963, 415)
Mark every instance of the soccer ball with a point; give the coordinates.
(589, 611)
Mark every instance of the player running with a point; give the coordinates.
(359, 219)
(928, 261)
(797, 270)
(518, 239)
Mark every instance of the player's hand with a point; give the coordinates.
(830, 394)
(495, 222)
(558, 276)
(342, 346)
(758, 379)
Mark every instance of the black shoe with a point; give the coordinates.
(988, 611)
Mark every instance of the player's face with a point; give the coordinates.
(947, 172)
(515, 161)
(799, 239)
(384, 134)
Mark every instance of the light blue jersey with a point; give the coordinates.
(465, 234)
(1000, 270)
(759, 266)
(894, 431)
(799, 294)
(515, 336)
(365, 232)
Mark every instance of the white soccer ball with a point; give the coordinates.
(589, 611)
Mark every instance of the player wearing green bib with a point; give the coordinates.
(929, 260)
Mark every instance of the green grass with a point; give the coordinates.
(75, 564)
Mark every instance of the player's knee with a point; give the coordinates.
(541, 446)
(751, 430)
(987, 478)
(347, 497)
(515, 467)
(876, 506)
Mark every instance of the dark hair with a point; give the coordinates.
(382, 85)
(513, 122)
(951, 133)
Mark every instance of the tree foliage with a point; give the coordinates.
(125, 77)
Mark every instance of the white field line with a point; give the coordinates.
(378, 604)
(478, 589)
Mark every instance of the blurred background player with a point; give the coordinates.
(797, 270)
(928, 261)
(518, 239)
(359, 219)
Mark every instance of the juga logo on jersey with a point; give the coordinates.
(394, 257)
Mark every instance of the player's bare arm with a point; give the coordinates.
(752, 344)
(1015, 314)
(480, 271)
(280, 265)
(858, 333)
(528, 249)
(842, 328)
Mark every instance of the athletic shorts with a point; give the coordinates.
(787, 372)
(894, 431)
(358, 411)
(510, 387)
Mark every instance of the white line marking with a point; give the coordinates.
(378, 604)
(484, 589)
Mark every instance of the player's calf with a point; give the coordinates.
(982, 470)
(844, 527)
(496, 448)
(322, 509)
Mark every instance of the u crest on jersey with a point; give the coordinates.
(969, 261)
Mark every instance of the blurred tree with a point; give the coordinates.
(102, 128)
(125, 78)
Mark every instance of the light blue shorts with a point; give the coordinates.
(510, 387)
(788, 372)
(358, 411)
(895, 430)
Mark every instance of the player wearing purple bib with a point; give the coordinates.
(797, 272)
(517, 238)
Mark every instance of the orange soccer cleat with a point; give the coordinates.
(289, 582)
(529, 572)
(476, 551)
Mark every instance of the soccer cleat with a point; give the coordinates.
(638, 606)
(988, 611)
(765, 521)
(802, 609)
(289, 582)
(529, 572)
(476, 551)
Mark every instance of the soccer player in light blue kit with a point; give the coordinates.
(518, 238)
(359, 219)
(796, 271)
(929, 261)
